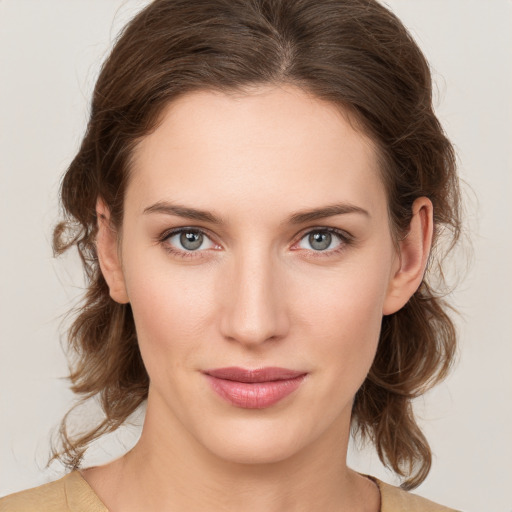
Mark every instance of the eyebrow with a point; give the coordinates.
(326, 211)
(182, 211)
(299, 217)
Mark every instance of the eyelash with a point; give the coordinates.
(345, 240)
(176, 252)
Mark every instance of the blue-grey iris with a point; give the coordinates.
(191, 240)
(320, 240)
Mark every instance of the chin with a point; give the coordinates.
(255, 441)
(257, 453)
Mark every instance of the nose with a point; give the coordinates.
(255, 309)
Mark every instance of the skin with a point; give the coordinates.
(255, 294)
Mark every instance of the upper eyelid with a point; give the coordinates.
(173, 231)
(337, 231)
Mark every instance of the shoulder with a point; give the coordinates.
(51, 496)
(69, 494)
(394, 499)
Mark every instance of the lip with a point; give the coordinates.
(254, 389)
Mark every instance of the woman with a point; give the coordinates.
(256, 201)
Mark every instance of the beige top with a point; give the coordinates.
(73, 494)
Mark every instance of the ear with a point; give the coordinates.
(108, 254)
(414, 250)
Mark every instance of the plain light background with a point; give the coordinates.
(50, 53)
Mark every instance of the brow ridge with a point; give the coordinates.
(299, 217)
(327, 211)
(182, 211)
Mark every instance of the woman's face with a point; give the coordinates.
(256, 236)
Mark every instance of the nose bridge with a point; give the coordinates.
(255, 309)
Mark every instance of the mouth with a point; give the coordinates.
(254, 389)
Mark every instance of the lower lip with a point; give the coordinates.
(254, 395)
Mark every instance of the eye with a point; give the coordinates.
(323, 240)
(188, 240)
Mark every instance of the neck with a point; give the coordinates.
(169, 469)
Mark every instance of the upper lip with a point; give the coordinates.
(270, 373)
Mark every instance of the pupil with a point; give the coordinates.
(191, 240)
(320, 240)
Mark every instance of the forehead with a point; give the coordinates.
(272, 145)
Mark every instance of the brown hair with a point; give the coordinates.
(355, 54)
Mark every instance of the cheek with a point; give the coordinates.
(171, 309)
(347, 325)
(342, 313)
(350, 298)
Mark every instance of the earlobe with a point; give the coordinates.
(414, 250)
(108, 255)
